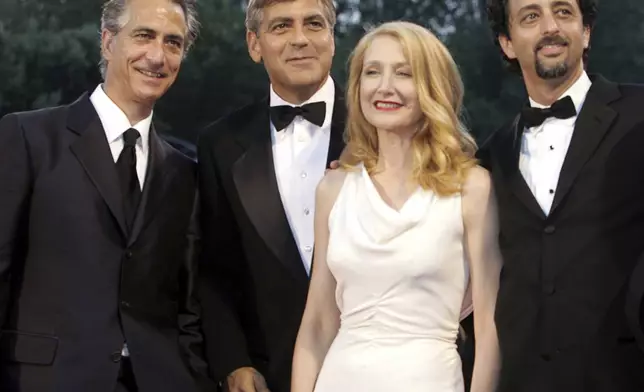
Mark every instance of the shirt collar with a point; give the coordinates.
(114, 120)
(325, 94)
(577, 92)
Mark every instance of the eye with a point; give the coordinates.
(370, 72)
(530, 17)
(405, 74)
(564, 11)
(280, 26)
(175, 43)
(144, 35)
(316, 24)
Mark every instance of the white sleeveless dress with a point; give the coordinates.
(401, 277)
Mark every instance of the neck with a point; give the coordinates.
(298, 94)
(134, 111)
(546, 92)
(394, 151)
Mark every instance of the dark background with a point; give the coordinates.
(49, 50)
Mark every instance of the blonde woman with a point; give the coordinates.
(402, 230)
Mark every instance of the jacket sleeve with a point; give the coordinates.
(223, 272)
(16, 180)
(635, 302)
(190, 330)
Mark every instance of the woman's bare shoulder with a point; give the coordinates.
(330, 185)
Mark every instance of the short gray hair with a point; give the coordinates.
(255, 12)
(114, 10)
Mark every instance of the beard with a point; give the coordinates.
(554, 71)
(551, 72)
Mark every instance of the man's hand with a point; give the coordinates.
(332, 166)
(246, 379)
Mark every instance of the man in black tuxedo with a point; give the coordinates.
(96, 256)
(567, 174)
(259, 168)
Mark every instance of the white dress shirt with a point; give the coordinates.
(544, 147)
(299, 156)
(115, 123)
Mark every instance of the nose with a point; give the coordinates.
(299, 38)
(549, 24)
(385, 87)
(155, 53)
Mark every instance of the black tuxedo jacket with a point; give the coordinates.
(74, 286)
(635, 302)
(560, 309)
(254, 283)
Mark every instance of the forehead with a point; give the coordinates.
(161, 15)
(385, 49)
(292, 9)
(517, 5)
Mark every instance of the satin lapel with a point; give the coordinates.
(93, 152)
(336, 142)
(509, 149)
(593, 122)
(254, 177)
(157, 173)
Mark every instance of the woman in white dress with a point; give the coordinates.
(402, 230)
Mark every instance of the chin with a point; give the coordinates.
(306, 79)
(149, 96)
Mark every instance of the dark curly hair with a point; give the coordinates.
(497, 14)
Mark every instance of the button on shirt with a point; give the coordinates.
(115, 123)
(299, 157)
(544, 147)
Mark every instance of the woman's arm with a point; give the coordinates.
(321, 318)
(481, 242)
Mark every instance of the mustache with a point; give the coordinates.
(551, 40)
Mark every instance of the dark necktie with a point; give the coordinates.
(282, 116)
(563, 108)
(126, 168)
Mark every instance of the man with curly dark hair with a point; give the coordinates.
(567, 175)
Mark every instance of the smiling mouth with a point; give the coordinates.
(150, 74)
(386, 105)
(296, 59)
(552, 50)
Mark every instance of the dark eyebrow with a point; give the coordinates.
(314, 17)
(147, 30)
(288, 19)
(561, 3)
(529, 7)
(280, 19)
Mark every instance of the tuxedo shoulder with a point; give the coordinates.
(39, 116)
(632, 89)
(632, 93)
(179, 157)
(483, 152)
(232, 122)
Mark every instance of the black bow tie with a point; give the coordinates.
(282, 116)
(563, 108)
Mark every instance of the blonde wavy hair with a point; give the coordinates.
(443, 150)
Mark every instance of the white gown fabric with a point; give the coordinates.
(401, 278)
